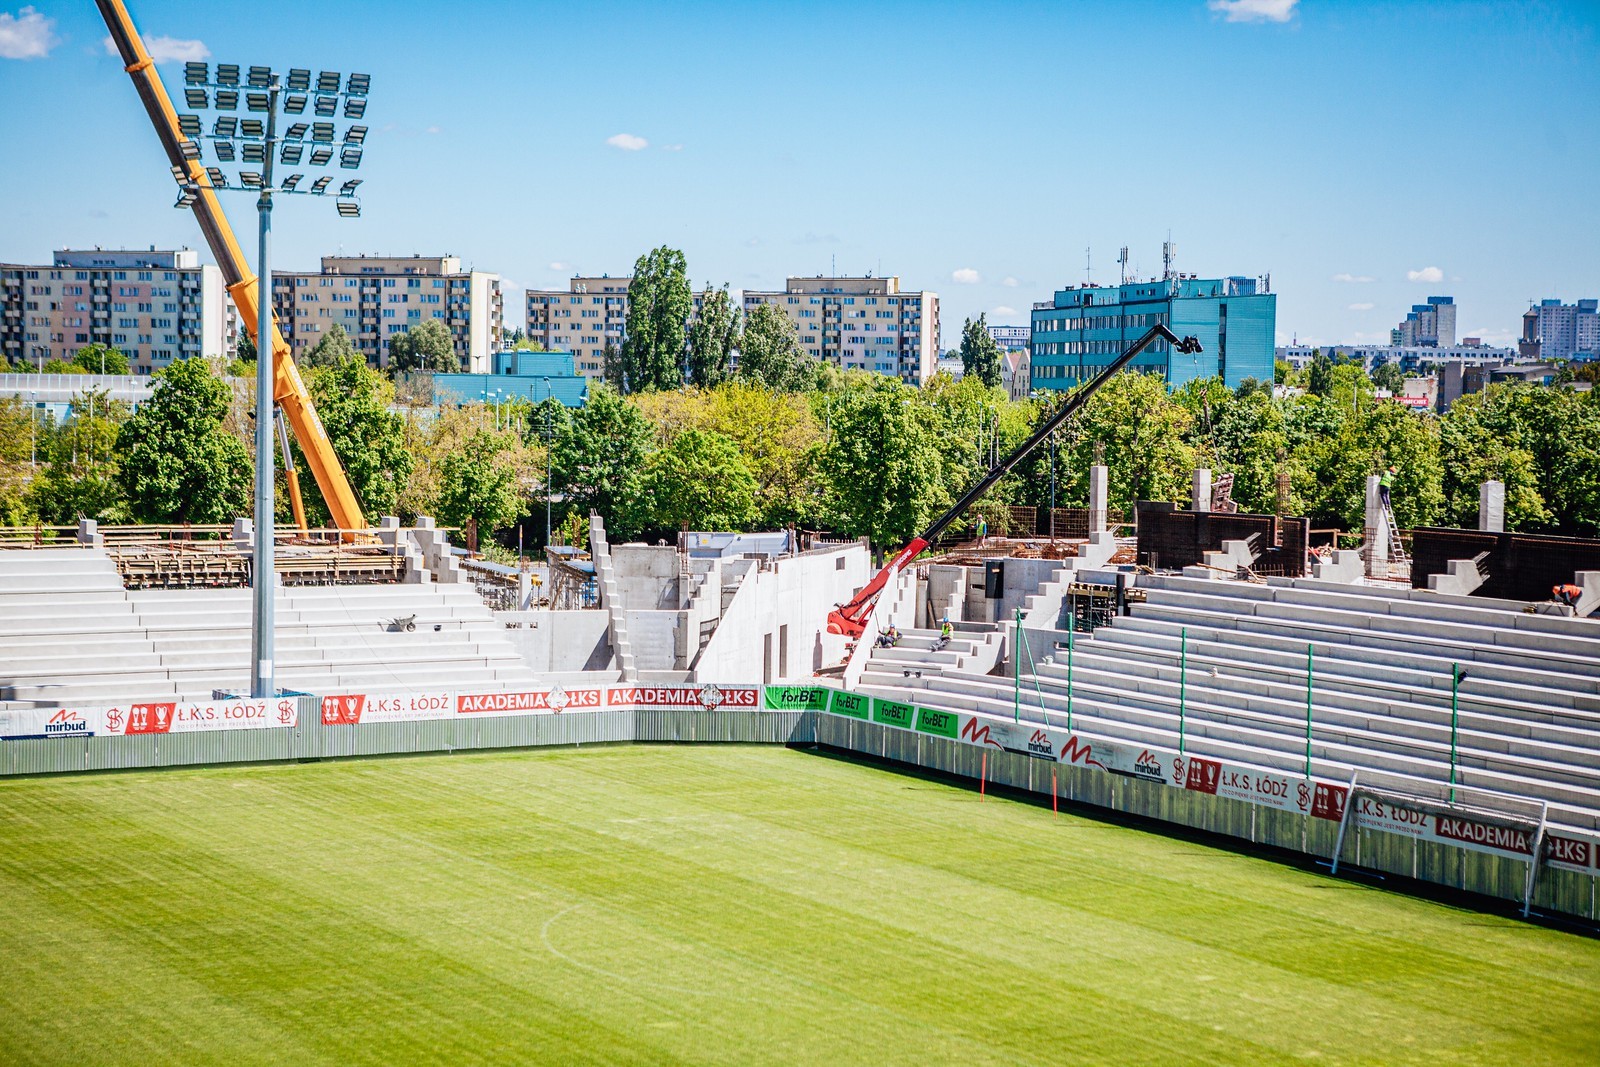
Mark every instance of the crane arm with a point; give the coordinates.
(851, 618)
(289, 391)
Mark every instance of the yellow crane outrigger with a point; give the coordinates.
(289, 392)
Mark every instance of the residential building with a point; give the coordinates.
(1015, 375)
(1011, 338)
(1563, 331)
(376, 297)
(1410, 358)
(156, 306)
(1430, 325)
(1082, 329)
(861, 323)
(582, 319)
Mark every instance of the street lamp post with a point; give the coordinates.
(253, 141)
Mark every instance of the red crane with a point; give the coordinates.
(850, 619)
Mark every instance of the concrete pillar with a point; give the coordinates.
(1492, 507)
(1200, 498)
(1376, 533)
(89, 533)
(244, 533)
(1098, 484)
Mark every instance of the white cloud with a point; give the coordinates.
(434, 130)
(26, 35)
(167, 49)
(1426, 274)
(966, 276)
(627, 142)
(1356, 279)
(1009, 282)
(1360, 307)
(558, 265)
(1002, 312)
(672, 148)
(1254, 10)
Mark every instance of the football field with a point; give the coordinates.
(714, 904)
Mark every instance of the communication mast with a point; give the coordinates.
(1169, 252)
(1122, 258)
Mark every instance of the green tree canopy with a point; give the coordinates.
(179, 463)
(80, 479)
(101, 359)
(353, 402)
(980, 354)
(479, 483)
(1389, 376)
(599, 458)
(699, 479)
(711, 338)
(770, 352)
(1139, 432)
(332, 348)
(659, 302)
(245, 349)
(884, 465)
(426, 346)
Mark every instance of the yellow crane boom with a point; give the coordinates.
(289, 392)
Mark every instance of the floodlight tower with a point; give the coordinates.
(256, 143)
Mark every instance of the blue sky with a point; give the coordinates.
(1366, 155)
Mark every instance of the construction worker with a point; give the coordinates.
(983, 529)
(945, 630)
(1385, 481)
(1567, 594)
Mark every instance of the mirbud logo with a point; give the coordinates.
(66, 723)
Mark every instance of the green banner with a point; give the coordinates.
(851, 704)
(894, 713)
(943, 723)
(797, 698)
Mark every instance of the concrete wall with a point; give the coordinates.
(778, 620)
(647, 576)
(655, 639)
(558, 641)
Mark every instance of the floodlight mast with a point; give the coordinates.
(250, 295)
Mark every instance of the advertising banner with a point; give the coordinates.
(552, 701)
(28, 723)
(176, 717)
(941, 723)
(797, 697)
(852, 705)
(352, 709)
(1571, 853)
(894, 713)
(707, 697)
(1243, 783)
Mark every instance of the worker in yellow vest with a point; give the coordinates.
(1385, 482)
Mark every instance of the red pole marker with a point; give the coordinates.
(1055, 801)
(983, 778)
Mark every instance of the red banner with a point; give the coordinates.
(552, 701)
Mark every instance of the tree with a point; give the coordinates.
(699, 479)
(353, 402)
(245, 349)
(1389, 376)
(770, 352)
(425, 346)
(179, 463)
(21, 432)
(599, 458)
(613, 372)
(980, 354)
(1320, 378)
(1138, 430)
(80, 479)
(1282, 369)
(477, 483)
(101, 359)
(659, 303)
(883, 464)
(334, 347)
(711, 338)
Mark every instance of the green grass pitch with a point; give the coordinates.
(715, 904)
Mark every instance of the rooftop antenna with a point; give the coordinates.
(1086, 267)
(1122, 258)
(1169, 252)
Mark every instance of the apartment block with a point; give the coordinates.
(862, 323)
(375, 298)
(1011, 338)
(581, 319)
(1555, 330)
(1430, 325)
(1083, 329)
(156, 306)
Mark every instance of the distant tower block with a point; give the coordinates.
(1492, 507)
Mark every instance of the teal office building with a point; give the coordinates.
(1083, 329)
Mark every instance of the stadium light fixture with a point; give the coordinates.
(255, 141)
